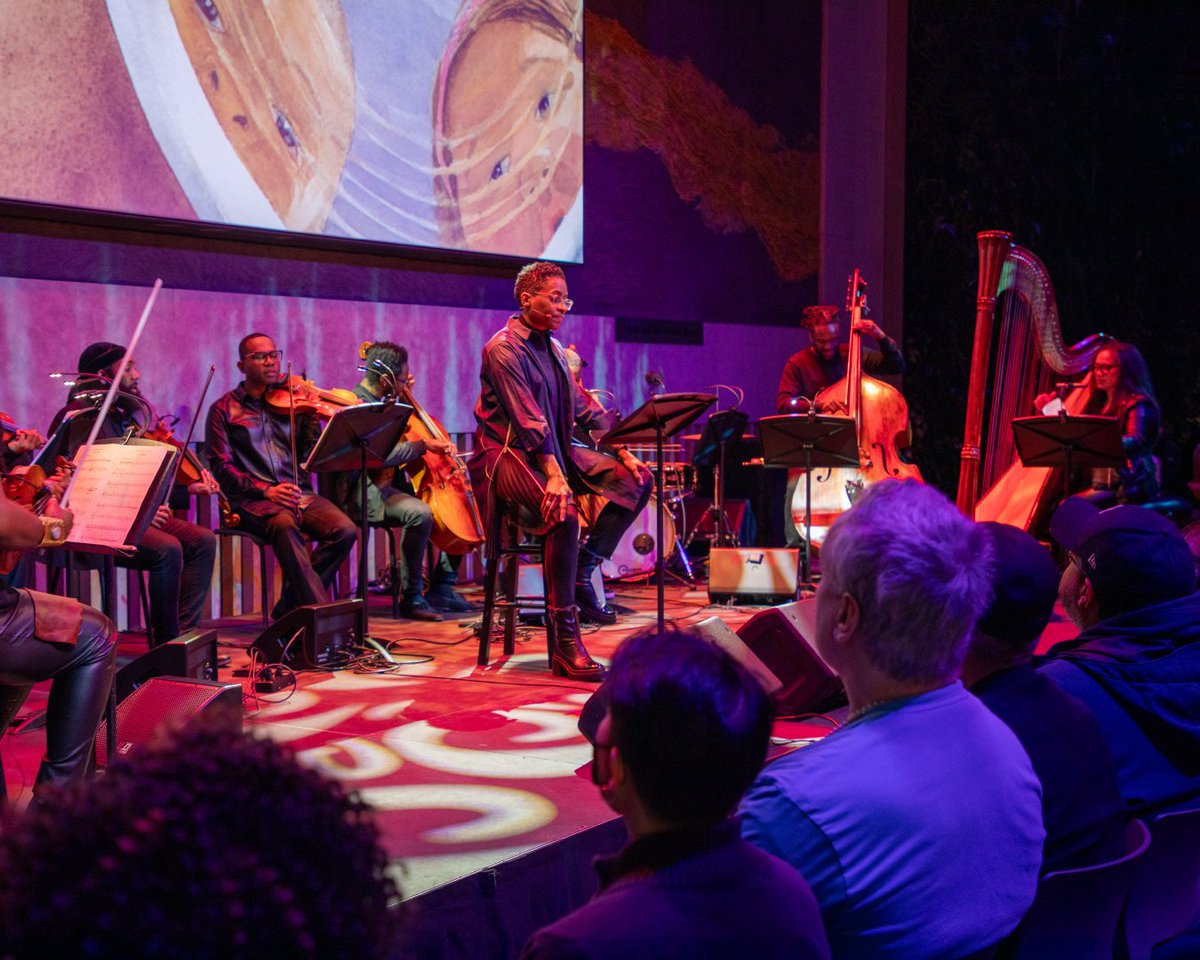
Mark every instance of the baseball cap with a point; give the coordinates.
(99, 356)
(1127, 552)
(1024, 584)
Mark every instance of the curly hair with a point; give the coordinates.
(392, 355)
(209, 843)
(533, 275)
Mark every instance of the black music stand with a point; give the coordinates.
(360, 437)
(1069, 442)
(719, 429)
(807, 441)
(656, 419)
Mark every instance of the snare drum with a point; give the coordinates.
(635, 554)
(679, 481)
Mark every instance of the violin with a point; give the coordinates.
(27, 487)
(294, 393)
(190, 469)
(9, 431)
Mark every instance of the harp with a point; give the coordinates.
(1015, 302)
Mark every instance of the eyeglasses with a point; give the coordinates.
(262, 356)
(558, 300)
(1104, 367)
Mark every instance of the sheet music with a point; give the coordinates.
(110, 490)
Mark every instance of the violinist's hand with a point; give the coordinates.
(205, 485)
(161, 516)
(55, 509)
(26, 441)
(635, 466)
(285, 494)
(870, 328)
(441, 446)
(556, 500)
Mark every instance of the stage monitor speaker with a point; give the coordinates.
(718, 632)
(166, 702)
(752, 574)
(314, 636)
(531, 584)
(781, 638)
(194, 654)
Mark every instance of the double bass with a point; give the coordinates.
(880, 415)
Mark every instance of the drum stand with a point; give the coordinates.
(720, 428)
(658, 418)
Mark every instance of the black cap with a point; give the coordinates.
(1024, 583)
(1126, 551)
(100, 356)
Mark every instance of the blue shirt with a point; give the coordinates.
(918, 827)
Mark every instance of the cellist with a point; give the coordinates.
(820, 365)
(178, 555)
(385, 371)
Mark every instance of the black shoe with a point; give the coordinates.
(447, 599)
(417, 608)
(591, 609)
(570, 658)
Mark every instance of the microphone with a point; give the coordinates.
(654, 381)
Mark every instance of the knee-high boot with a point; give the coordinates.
(570, 658)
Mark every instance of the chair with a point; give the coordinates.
(263, 546)
(393, 565)
(504, 527)
(1076, 912)
(1165, 896)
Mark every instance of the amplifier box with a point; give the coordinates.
(530, 584)
(752, 574)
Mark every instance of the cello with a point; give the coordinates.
(442, 482)
(880, 414)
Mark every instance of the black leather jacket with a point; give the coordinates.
(249, 447)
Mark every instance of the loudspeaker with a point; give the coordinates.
(313, 636)
(166, 701)
(751, 574)
(779, 638)
(194, 654)
(717, 631)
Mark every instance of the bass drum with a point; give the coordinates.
(635, 554)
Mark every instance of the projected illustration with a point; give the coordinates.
(434, 123)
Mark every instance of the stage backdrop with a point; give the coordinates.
(699, 156)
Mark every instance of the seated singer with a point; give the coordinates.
(249, 447)
(44, 637)
(178, 555)
(527, 407)
(386, 366)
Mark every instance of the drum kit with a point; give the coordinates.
(635, 554)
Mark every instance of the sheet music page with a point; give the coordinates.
(109, 492)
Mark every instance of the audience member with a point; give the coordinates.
(918, 822)
(210, 844)
(685, 732)
(1082, 808)
(1130, 587)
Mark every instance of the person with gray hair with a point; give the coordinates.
(918, 822)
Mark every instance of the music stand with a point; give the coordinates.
(1069, 442)
(807, 441)
(719, 429)
(656, 419)
(360, 437)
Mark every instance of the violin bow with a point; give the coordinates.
(113, 389)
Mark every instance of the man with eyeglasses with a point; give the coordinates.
(250, 450)
(528, 405)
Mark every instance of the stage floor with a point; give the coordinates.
(467, 766)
